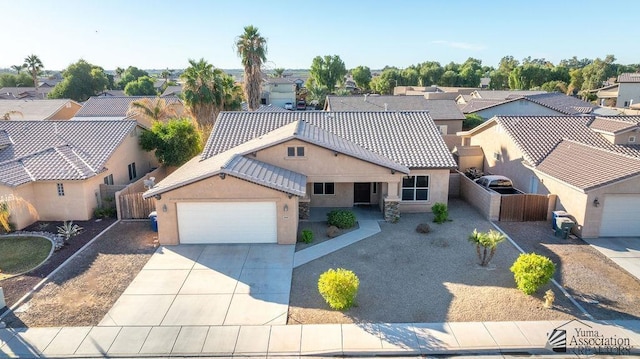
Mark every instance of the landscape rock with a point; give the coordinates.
(333, 231)
(423, 228)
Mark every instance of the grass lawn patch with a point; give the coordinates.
(19, 254)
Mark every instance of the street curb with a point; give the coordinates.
(46, 279)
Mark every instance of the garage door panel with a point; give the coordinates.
(227, 222)
(621, 216)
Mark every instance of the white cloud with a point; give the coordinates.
(459, 45)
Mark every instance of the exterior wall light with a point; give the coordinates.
(596, 203)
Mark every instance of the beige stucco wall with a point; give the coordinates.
(438, 191)
(628, 92)
(40, 201)
(593, 215)
(230, 189)
(487, 203)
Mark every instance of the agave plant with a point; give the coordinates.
(68, 230)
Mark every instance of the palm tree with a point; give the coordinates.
(165, 74)
(278, 72)
(203, 92)
(34, 65)
(252, 48)
(7, 115)
(153, 110)
(486, 244)
(17, 68)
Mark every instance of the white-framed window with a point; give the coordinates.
(297, 151)
(632, 139)
(132, 171)
(324, 188)
(60, 187)
(443, 129)
(415, 188)
(497, 156)
(108, 180)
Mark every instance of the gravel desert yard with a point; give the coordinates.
(85, 289)
(410, 277)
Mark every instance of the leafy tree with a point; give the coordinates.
(499, 80)
(34, 65)
(278, 72)
(143, 86)
(252, 48)
(486, 244)
(81, 80)
(362, 76)
(449, 78)
(472, 120)
(316, 93)
(386, 81)
(18, 80)
(18, 68)
(152, 109)
(554, 86)
(430, 73)
(131, 74)
(206, 90)
(328, 71)
(174, 142)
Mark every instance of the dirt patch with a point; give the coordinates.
(16, 287)
(604, 289)
(409, 277)
(83, 291)
(319, 230)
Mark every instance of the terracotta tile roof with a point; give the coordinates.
(629, 77)
(562, 103)
(477, 104)
(5, 140)
(587, 167)
(409, 139)
(615, 124)
(58, 150)
(106, 106)
(34, 109)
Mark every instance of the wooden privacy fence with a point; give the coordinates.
(524, 207)
(133, 206)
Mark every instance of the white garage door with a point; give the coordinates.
(621, 216)
(227, 222)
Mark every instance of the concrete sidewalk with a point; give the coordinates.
(296, 340)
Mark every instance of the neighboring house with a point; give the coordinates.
(264, 108)
(111, 93)
(628, 89)
(118, 106)
(499, 94)
(172, 91)
(262, 171)
(607, 95)
(24, 93)
(52, 170)
(445, 113)
(591, 163)
(278, 92)
(39, 109)
(543, 104)
(433, 92)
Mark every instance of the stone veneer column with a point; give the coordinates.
(391, 210)
(303, 209)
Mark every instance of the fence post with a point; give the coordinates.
(551, 205)
(118, 207)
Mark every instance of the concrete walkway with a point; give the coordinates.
(294, 340)
(625, 252)
(367, 229)
(218, 284)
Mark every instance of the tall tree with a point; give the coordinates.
(131, 74)
(278, 72)
(166, 74)
(328, 71)
(34, 65)
(174, 142)
(17, 68)
(430, 73)
(81, 80)
(362, 76)
(142, 86)
(252, 48)
(152, 109)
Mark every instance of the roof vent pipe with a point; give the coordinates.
(365, 97)
(386, 107)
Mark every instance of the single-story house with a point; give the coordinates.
(592, 163)
(261, 172)
(38, 110)
(52, 170)
(543, 104)
(24, 93)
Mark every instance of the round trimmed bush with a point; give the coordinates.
(531, 271)
(341, 218)
(338, 287)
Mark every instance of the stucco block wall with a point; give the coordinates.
(627, 92)
(453, 126)
(65, 112)
(20, 201)
(487, 203)
(438, 191)
(230, 189)
(518, 108)
(593, 215)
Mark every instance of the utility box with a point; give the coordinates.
(555, 216)
(563, 227)
(153, 218)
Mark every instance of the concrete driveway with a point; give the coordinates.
(625, 252)
(223, 284)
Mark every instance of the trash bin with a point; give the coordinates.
(563, 227)
(153, 218)
(556, 215)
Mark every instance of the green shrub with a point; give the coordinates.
(440, 212)
(104, 212)
(341, 218)
(339, 288)
(307, 236)
(531, 271)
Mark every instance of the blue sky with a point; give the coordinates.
(160, 34)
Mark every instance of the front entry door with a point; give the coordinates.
(362, 193)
